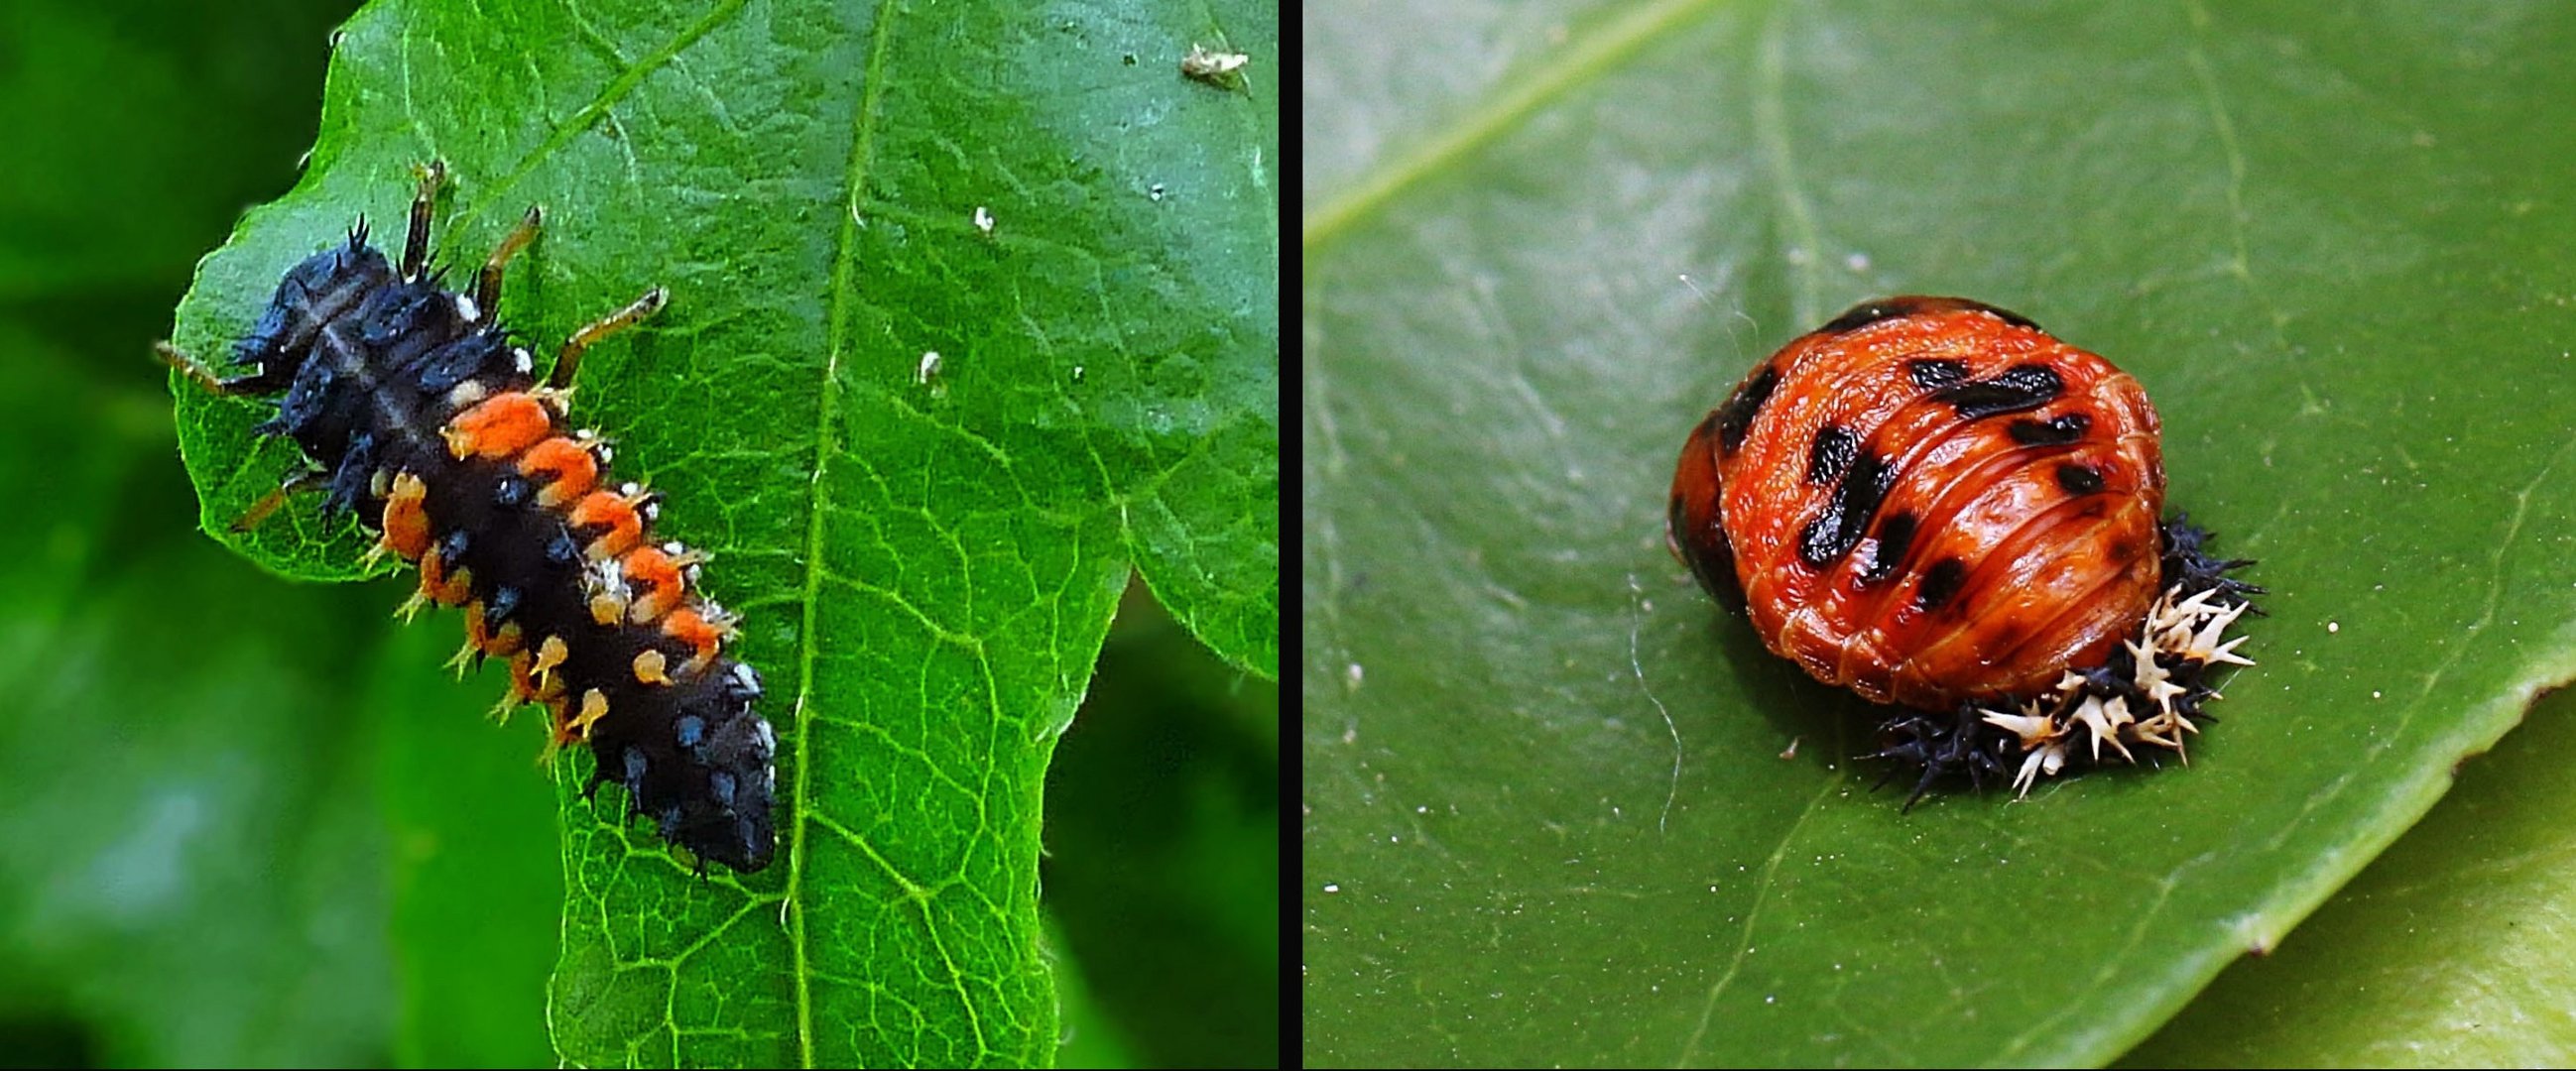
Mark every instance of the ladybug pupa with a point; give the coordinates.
(419, 413)
(1939, 505)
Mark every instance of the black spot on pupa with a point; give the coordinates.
(1836, 530)
(1710, 557)
(1832, 453)
(2058, 432)
(1708, 425)
(1895, 536)
(2006, 315)
(1870, 312)
(1941, 583)
(1934, 374)
(1736, 416)
(2079, 479)
(2020, 388)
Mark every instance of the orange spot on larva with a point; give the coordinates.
(406, 524)
(567, 469)
(499, 426)
(703, 637)
(608, 510)
(523, 685)
(655, 580)
(442, 585)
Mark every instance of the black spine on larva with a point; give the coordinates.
(369, 364)
(316, 292)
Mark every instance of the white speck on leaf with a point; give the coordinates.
(927, 374)
(1213, 67)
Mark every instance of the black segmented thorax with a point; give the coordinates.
(369, 363)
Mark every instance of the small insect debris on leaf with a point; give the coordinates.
(1215, 68)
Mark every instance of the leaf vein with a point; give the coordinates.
(1623, 38)
(826, 441)
(616, 90)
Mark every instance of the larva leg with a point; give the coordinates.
(296, 483)
(568, 359)
(423, 205)
(198, 373)
(487, 283)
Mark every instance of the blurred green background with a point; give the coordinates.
(213, 847)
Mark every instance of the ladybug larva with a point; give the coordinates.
(1935, 503)
(417, 411)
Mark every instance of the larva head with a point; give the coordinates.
(324, 287)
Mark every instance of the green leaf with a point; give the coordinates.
(2450, 950)
(926, 563)
(1548, 816)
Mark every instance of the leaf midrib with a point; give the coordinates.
(827, 409)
